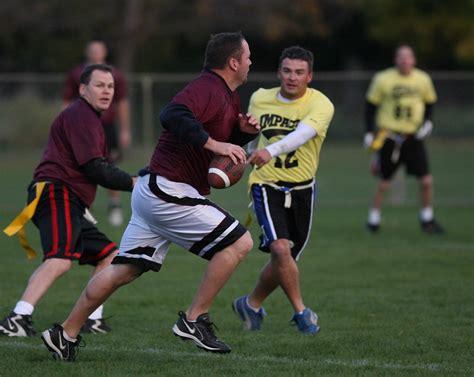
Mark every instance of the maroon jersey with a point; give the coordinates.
(217, 108)
(71, 91)
(76, 137)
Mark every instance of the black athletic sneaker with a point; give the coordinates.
(200, 332)
(17, 325)
(95, 326)
(57, 344)
(431, 227)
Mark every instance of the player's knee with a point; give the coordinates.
(243, 245)
(384, 185)
(426, 181)
(58, 265)
(125, 273)
(280, 248)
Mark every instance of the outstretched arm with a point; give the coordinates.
(302, 134)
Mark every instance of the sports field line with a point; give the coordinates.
(354, 363)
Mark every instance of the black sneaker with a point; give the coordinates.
(95, 326)
(200, 332)
(17, 325)
(431, 227)
(373, 228)
(57, 344)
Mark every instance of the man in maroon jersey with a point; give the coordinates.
(96, 53)
(72, 166)
(168, 203)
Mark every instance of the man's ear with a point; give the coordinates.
(82, 89)
(233, 64)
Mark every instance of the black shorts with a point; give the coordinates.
(276, 221)
(114, 153)
(64, 231)
(410, 153)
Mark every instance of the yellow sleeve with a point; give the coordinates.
(429, 95)
(320, 115)
(375, 91)
(254, 99)
(251, 103)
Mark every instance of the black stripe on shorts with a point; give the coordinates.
(198, 246)
(144, 264)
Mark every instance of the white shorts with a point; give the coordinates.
(163, 212)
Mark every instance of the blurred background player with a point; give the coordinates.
(294, 120)
(117, 142)
(400, 104)
(168, 203)
(66, 180)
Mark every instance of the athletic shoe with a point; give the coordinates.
(200, 332)
(17, 325)
(251, 319)
(373, 228)
(59, 346)
(95, 326)
(307, 322)
(432, 227)
(115, 214)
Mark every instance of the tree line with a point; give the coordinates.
(170, 35)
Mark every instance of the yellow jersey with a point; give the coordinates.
(277, 119)
(400, 99)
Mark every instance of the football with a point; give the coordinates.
(223, 172)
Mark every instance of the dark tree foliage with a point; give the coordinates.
(170, 35)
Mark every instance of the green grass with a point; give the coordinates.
(396, 303)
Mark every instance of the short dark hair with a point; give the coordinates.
(221, 47)
(87, 72)
(297, 52)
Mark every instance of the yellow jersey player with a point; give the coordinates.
(400, 104)
(294, 120)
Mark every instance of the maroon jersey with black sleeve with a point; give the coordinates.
(217, 108)
(75, 138)
(71, 91)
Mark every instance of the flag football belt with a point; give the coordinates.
(17, 226)
(397, 137)
(287, 190)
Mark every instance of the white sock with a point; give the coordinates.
(98, 313)
(24, 308)
(426, 214)
(250, 306)
(68, 338)
(374, 216)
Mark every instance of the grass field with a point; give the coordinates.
(396, 303)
